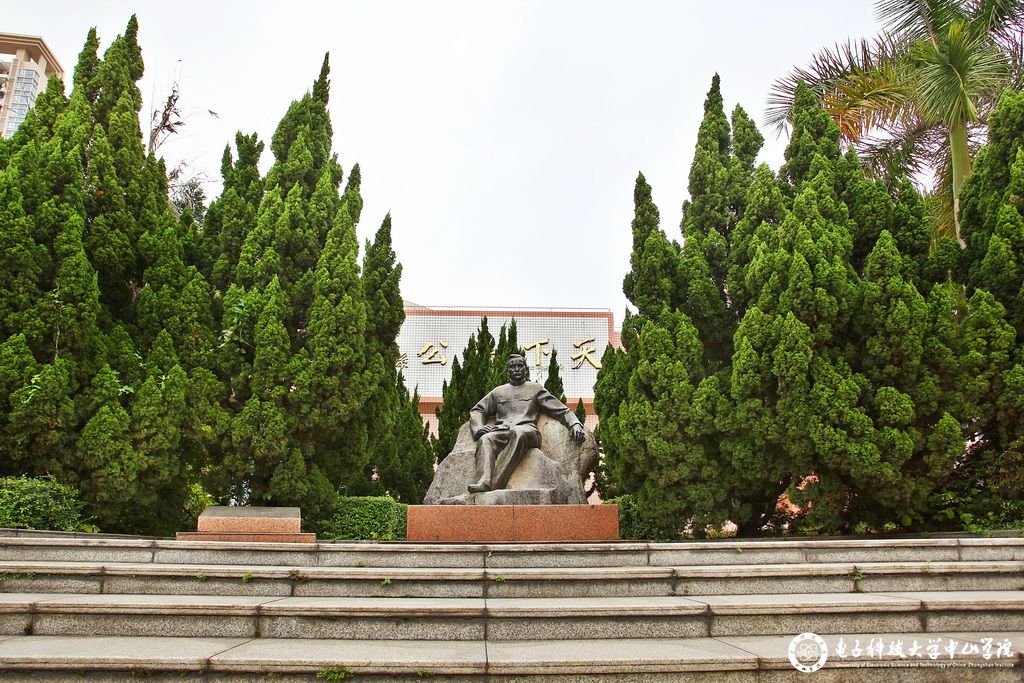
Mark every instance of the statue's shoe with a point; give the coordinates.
(479, 487)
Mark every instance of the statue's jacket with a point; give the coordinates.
(513, 405)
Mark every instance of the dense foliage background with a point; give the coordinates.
(805, 360)
(812, 356)
(148, 357)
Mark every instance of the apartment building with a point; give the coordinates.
(26, 63)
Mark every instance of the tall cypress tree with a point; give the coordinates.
(93, 198)
(650, 286)
(340, 375)
(400, 450)
(992, 206)
(553, 382)
(338, 363)
(788, 339)
(231, 216)
(650, 283)
(684, 306)
(380, 276)
(385, 313)
(470, 382)
(843, 385)
(508, 343)
(581, 412)
(405, 458)
(709, 218)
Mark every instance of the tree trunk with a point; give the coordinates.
(961, 169)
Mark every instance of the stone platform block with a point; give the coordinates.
(254, 520)
(245, 537)
(249, 525)
(512, 523)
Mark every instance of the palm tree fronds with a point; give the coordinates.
(950, 77)
(867, 100)
(941, 208)
(1003, 18)
(914, 20)
(916, 100)
(863, 66)
(1012, 46)
(911, 150)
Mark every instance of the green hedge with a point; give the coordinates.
(27, 503)
(632, 524)
(366, 518)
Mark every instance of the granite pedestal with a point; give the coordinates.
(249, 525)
(512, 523)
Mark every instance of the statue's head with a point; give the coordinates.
(518, 372)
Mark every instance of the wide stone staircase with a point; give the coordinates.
(81, 608)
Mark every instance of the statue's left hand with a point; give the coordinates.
(577, 434)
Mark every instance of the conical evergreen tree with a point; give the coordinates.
(679, 292)
(581, 412)
(470, 382)
(650, 285)
(231, 216)
(508, 344)
(340, 325)
(553, 381)
(385, 314)
(991, 210)
(380, 276)
(405, 456)
(845, 389)
(656, 442)
(341, 373)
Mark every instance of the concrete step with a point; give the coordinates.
(254, 580)
(734, 659)
(501, 619)
(196, 579)
(506, 556)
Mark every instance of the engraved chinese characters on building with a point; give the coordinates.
(538, 348)
(436, 355)
(402, 361)
(585, 355)
(433, 338)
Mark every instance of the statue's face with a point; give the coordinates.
(516, 370)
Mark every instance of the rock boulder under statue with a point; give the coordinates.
(554, 474)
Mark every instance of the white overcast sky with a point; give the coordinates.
(493, 132)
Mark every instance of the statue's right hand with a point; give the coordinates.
(486, 429)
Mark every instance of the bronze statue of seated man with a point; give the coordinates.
(515, 407)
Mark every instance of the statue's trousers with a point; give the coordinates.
(498, 453)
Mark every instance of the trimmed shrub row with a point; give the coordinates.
(369, 518)
(42, 504)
